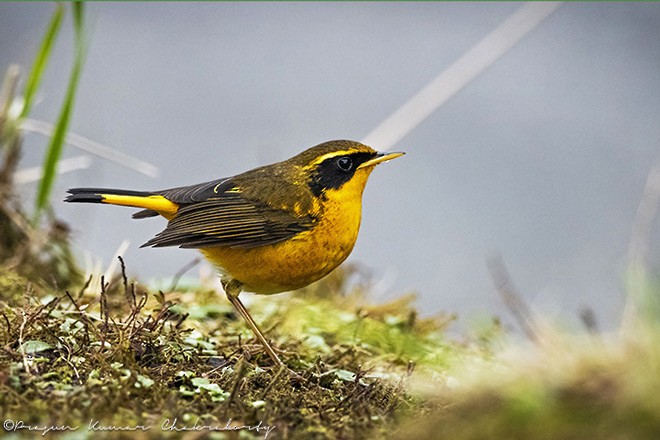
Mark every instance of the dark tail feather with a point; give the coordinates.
(145, 213)
(95, 195)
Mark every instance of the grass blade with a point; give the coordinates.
(57, 141)
(41, 60)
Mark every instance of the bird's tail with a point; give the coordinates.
(151, 203)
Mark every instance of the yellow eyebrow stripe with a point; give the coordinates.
(332, 154)
(156, 203)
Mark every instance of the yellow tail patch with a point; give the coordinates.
(156, 203)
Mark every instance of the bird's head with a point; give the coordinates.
(331, 165)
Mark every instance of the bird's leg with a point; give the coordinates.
(232, 290)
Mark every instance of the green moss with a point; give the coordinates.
(572, 388)
(66, 361)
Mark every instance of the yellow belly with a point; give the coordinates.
(303, 259)
(291, 264)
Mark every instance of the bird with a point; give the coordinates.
(275, 228)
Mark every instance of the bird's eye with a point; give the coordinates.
(345, 163)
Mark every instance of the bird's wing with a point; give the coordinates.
(199, 192)
(217, 213)
(188, 194)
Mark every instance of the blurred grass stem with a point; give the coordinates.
(642, 301)
(92, 147)
(450, 81)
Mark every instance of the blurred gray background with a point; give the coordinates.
(541, 158)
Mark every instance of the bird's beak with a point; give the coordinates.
(380, 157)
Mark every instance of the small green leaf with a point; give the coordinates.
(143, 382)
(32, 347)
(199, 381)
(345, 375)
(217, 394)
(258, 404)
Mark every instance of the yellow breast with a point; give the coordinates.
(306, 257)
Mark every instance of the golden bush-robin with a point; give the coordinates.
(272, 229)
